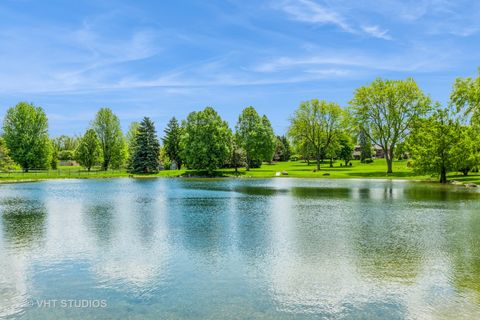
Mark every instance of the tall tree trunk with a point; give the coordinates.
(389, 158)
(318, 161)
(248, 164)
(443, 175)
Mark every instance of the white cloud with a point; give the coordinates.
(312, 12)
(376, 32)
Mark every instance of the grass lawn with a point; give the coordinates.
(297, 169)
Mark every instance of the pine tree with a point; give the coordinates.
(171, 141)
(147, 149)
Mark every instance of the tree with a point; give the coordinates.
(112, 143)
(25, 130)
(130, 138)
(250, 135)
(365, 146)
(171, 141)
(268, 140)
(239, 156)
(6, 163)
(433, 143)
(146, 156)
(346, 148)
(466, 96)
(206, 140)
(314, 125)
(466, 150)
(88, 151)
(65, 142)
(387, 110)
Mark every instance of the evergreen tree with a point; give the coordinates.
(146, 157)
(365, 146)
(171, 141)
(88, 150)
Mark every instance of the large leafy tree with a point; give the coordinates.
(88, 152)
(387, 110)
(146, 156)
(251, 136)
(25, 130)
(112, 142)
(206, 141)
(171, 141)
(314, 126)
(433, 144)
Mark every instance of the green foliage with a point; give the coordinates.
(171, 142)
(433, 144)
(66, 155)
(239, 156)
(466, 151)
(26, 136)
(206, 141)
(112, 142)
(314, 126)
(255, 135)
(88, 152)
(387, 110)
(6, 163)
(65, 142)
(346, 147)
(268, 140)
(365, 146)
(282, 149)
(130, 140)
(466, 97)
(146, 156)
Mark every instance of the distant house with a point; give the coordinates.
(377, 152)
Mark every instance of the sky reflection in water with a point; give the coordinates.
(215, 249)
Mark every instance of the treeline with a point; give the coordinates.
(394, 115)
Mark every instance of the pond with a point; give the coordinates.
(238, 249)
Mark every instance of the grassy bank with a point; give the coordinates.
(297, 169)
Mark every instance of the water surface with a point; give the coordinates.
(239, 249)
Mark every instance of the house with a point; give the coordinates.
(377, 152)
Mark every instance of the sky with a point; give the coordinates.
(168, 58)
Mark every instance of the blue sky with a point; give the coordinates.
(167, 58)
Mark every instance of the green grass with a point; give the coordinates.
(297, 169)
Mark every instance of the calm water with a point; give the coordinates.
(239, 249)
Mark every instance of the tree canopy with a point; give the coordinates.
(206, 141)
(88, 152)
(112, 142)
(25, 130)
(387, 110)
(314, 125)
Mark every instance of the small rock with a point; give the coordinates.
(278, 174)
(471, 185)
(326, 174)
(284, 173)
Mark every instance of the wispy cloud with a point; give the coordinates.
(377, 32)
(312, 12)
